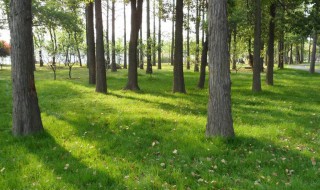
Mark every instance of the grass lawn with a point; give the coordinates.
(154, 139)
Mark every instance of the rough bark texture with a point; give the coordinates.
(203, 65)
(270, 63)
(314, 50)
(172, 32)
(91, 57)
(107, 36)
(136, 17)
(154, 35)
(101, 85)
(113, 57)
(256, 82)
(178, 78)
(188, 36)
(281, 51)
(140, 52)
(125, 36)
(219, 107)
(196, 65)
(26, 112)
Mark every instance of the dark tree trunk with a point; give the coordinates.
(113, 57)
(314, 50)
(291, 55)
(100, 62)
(159, 36)
(256, 83)
(141, 51)
(270, 64)
(172, 32)
(234, 56)
(77, 47)
(26, 118)
(41, 58)
(281, 51)
(203, 65)
(91, 58)
(297, 54)
(196, 65)
(154, 35)
(302, 52)
(149, 49)
(309, 52)
(250, 53)
(107, 36)
(219, 121)
(178, 78)
(125, 36)
(136, 17)
(188, 36)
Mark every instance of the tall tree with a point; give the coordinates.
(26, 112)
(178, 78)
(91, 57)
(172, 32)
(196, 65)
(125, 36)
(314, 50)
(107, 35)
(256, 82)
(219, 108)
(101, 85)
(154, 35)
(149, 48)
(188, 34)
(136, 17)
(113, 57)
(159, 34)
(270, 64)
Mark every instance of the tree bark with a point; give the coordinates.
(101, 86)
(107, 36)
(159, 36)
(188, 36)
(141, 61)
(314, 50)
(219, 121)
(196, 65)
(178, 78)
(270, 63)
(302, 52)
(256, 82)
(281, 51)
(234, 56)
(113, 46)
(136, 17)
(154, 35)
(203, 65)
(91, 58)
(172, 32)
(125, 36)
(26, 118)
(149, 49)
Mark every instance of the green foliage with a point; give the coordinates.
(4, 49)
(155, 139)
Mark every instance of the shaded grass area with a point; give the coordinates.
(154, 139)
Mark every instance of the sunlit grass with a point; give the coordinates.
(154, 139)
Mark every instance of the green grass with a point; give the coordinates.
(154, 139)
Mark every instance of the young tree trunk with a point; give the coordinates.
(125, 36)
(178, 78)
(188, 36)
(219, 121)
(281, 51)
(141, 51)
(234, 56)
(136, 17)
(172, 32)
(256, 82)
(270, 64)
(291, 55)
(101, 86)
(250, 53)
(297, 54)
(26, 118)
(113, 61)
(77, 47)
(196, 65)
(309, 51)
(314, 50)
(149, 50)
(159, 35)
(203, 65)
(40, 57)
(91, 58)
(302, 52)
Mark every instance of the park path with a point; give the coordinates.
(303, 67)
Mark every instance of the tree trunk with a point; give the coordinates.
(281, 51)
(149, 50)
(154, 35)
(196, 65)
(203, 65)
(91, 58)
(250, 53)
(107, 36)
(125, 36)
(256, 84)
(40, 57)
(141, 51)
(77, 47)
(219, 121)
(159, 36)
(136, 17)
(234, 56)
(188, 36)
(100, 62)
(291, 55)
(302, 52)
(26, 118)
(314, 50)
(270, 64)
(113, 57)
(309, 56)
(178, 78)
(297, 54)
(173, 32)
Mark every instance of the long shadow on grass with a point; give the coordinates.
(65, 166)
